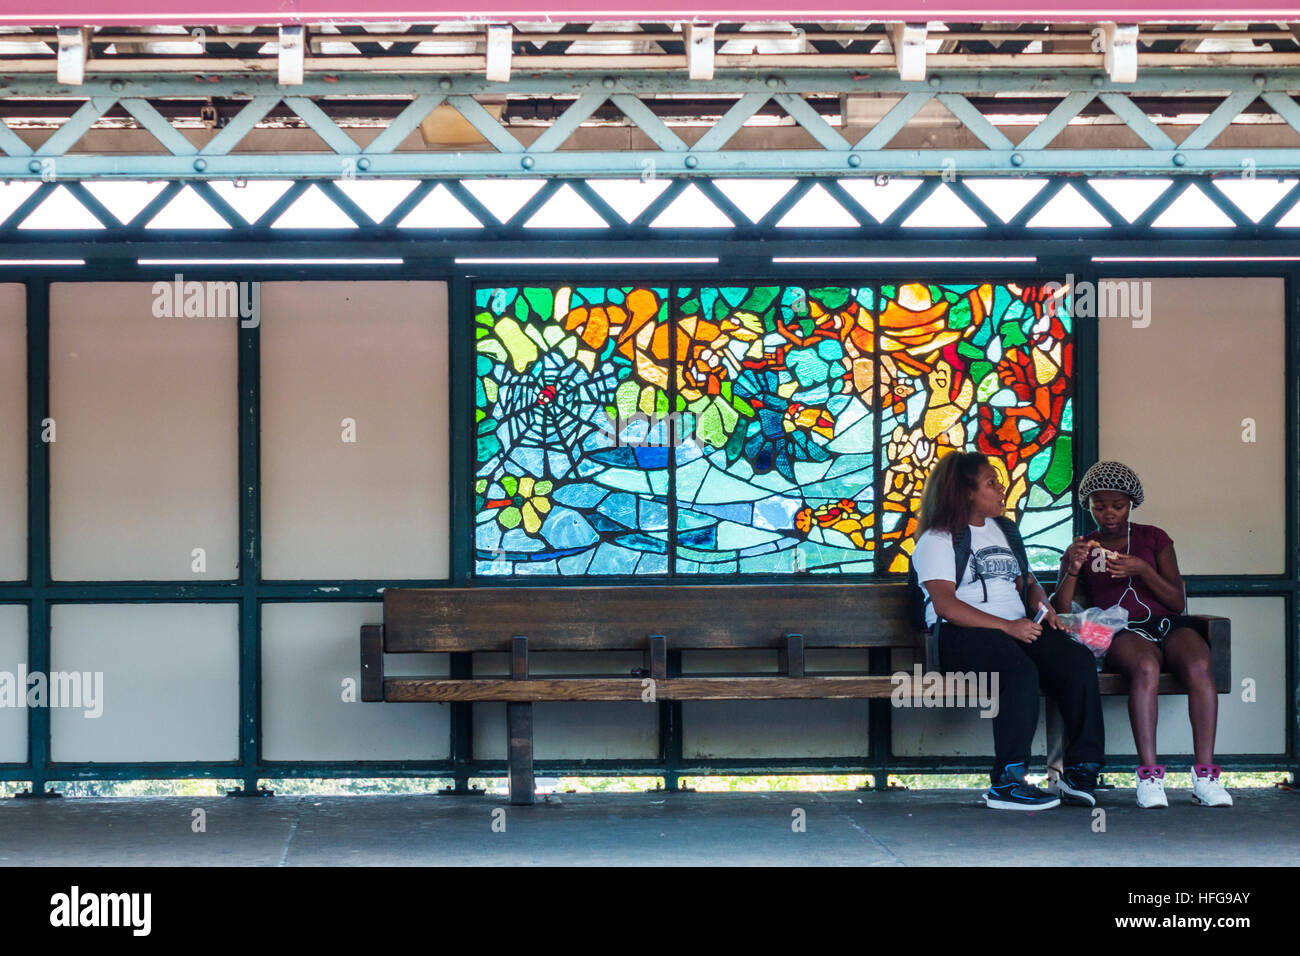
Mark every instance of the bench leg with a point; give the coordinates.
(1055, 741)
(519, 722)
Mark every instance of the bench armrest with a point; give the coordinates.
(372, 662)
(1217, 632)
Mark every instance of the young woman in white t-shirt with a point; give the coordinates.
(984, 628)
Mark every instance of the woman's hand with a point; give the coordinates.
(1024, 630)
(1128, 565)
(1078, 553)
(1051, 620)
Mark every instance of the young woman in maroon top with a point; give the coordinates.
(1134, 566)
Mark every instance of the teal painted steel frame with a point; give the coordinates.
(116, 262)
(507, 157)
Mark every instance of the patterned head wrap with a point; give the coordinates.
(1111, 476)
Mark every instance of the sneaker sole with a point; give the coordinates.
(1077, 797)
(1153, 806)
(996, 804)
(1201, 803)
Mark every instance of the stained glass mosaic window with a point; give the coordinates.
(978, 368)
(568, 481)
(734, 430)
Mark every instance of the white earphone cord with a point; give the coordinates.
(1164, 626)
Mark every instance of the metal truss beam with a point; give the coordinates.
(983, 146)
(449, 214)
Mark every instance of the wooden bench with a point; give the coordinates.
(655, 620)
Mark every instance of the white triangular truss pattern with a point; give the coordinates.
(629, 197)
(13, 195)
(1193, 209)
(377, 197)
(1291, 220)
(313, 210)
(253, 198)
(125, 200)
(880, 196)
(817, 209)
(1255, 197)
(565, 209)
(61, 210)
(755, 197)
(692, 210)
(187, 210)
(1130, 197)
(1006, 197)
(942, 209)
(503, 197)
(440, 210)
(1067, 210)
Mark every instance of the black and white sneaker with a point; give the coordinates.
(1078, 784)
(1011, 792)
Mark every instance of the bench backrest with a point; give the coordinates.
(620, 618)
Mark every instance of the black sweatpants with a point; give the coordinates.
(1064, 669)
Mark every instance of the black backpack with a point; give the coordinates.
(916, 599)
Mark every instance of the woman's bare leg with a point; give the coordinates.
(1188, 656)
(1139, 659)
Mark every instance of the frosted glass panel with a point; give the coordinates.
(354, 430)
(145, 466)
(170, 681)
(953, 732)
(774, 728)
(13, 431)
(1182, 394)
(308, 651)
(13, 660)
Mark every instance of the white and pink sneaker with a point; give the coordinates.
(1206, 789)
(1151, 787)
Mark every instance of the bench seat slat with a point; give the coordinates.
(632, 688)
(413, 689)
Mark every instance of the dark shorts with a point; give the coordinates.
(1156, 628)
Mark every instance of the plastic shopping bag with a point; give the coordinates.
(1095, 627)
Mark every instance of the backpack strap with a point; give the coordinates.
(961, 553)
(1018, 549)
(961, 557)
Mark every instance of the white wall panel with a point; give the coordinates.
(775, 728)
(591, 730)
(1173, 399)
(170, 681)
(308, 650)
(145, 465)
(13, 431)
(13, 661)
(1258, 653)
(376, 353)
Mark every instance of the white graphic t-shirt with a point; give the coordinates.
(989, 553)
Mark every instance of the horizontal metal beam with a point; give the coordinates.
(232, 155)
(634, 164)
(721, 766)
(792, 80)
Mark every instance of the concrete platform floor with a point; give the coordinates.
(904, 828)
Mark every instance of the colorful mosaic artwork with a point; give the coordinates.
(980, 368)
(739, 434)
